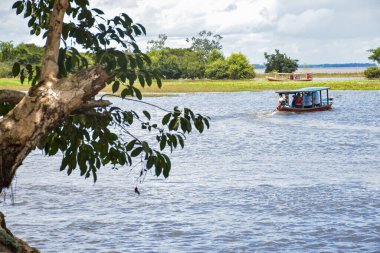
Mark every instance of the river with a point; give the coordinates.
(256, 181)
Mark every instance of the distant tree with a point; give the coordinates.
(176, 63)
(157, 44)
(191, 64)
(280, 63)
(375, 56)
(239, 67)
(217, 69)
(372, 72)
(7, 51)
(214, 55)
(205, 42)
(29, 54)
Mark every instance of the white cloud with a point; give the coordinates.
(319, 31)
(309, 21)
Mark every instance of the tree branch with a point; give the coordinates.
(11, 96)
(14, 97)
(50, 62)
(41, 110)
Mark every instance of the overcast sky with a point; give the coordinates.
(313, 31)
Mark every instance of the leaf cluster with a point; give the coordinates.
(105, 136)
(91, 142)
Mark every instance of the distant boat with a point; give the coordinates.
(305, 100)
(282, 77)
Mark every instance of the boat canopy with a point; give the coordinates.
(309, 89)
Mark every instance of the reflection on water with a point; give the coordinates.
(258, 180)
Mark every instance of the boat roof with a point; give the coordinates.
(308, 89)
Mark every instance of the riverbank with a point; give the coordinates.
(189, 86)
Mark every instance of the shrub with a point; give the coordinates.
(372, 72)
(5, 70)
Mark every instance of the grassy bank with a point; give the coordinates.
(324, 75)
(183, 86)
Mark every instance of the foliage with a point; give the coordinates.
(176, 63)
(217, 69)
(372, 72)
(205, 42)
(280, 63)
(214, 55)
(26, 54)
(89, 141)
(157, 44)
(29, 54)
(6, 51)
(375, 56)
(5, 70)
(239, 67)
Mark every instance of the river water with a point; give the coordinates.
(257, 181)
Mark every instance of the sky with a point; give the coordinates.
(312, 31)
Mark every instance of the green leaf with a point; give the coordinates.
(16, 69)
(163, 142)
(150, 162)
(22, 76)
(16, 4)
(206, 122)
(130, 145)
(158, 167)
(100, 12)
(141, 80)
(136, 151)
(145, 147)
(125, 92)
(102, 27)
(166, 118)
(146, 113)
(181, 142)
(159, 83)
(167, 166)
(115, 86)
(138, 93)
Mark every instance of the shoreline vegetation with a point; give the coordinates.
(257, 84)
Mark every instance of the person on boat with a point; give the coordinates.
(294, 100)
(286, 97)
(298, 101)
(316, 98)
(281, 100)
(307, 100)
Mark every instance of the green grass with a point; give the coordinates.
(184, 86)
(322, 75)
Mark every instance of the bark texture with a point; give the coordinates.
(41, 110)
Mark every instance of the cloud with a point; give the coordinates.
(319, 31)
(309, 21)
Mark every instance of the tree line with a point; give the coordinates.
(25, 53)
(202, 59)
